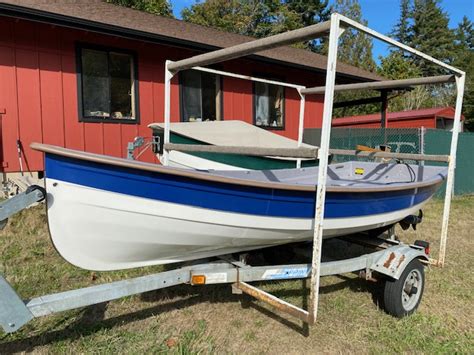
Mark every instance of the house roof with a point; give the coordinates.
(445, 112)
(96, 15)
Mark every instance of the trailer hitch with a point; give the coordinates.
(33, 194)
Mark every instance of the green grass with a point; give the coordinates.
(189, 320)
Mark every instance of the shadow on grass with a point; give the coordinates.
(92, 319)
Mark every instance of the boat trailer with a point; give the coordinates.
(398, 264)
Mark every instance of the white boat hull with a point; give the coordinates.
(119, 231)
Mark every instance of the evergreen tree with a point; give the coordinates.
(430, 34)
(424, 26)
(464, 35)
(464, 59)
(355, 47)
(309, 13)
(156, 7)
(402, 29)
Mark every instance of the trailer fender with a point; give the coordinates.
(394, 260)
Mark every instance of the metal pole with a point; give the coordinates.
(247, 77)
(422, 131)
(300, 125)
(166, 138)
(460, 80)
(323, 165)
(370, 32)
(385, 84)
(252, 47)
(383, 109)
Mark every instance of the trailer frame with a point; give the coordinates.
(392, 261)
(389, 260)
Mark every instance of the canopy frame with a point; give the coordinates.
(335, 26)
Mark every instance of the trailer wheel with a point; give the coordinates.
(403, 296)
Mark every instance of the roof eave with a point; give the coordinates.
(36, 15)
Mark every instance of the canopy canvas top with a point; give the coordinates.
(230, 133)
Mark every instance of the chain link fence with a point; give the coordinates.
(405, 140)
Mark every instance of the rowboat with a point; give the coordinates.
(107, 213)
(227, 133)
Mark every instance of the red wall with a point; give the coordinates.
(38, 92)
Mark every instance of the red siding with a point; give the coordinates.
(8, 104)
(51, 88)
(38, 90)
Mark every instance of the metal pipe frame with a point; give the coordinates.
(248, 77)
(323, 154)
(336, 26)
(247, 48)
(460, 78)
(351, 23)
(301, 124)
(170, 74)
(386, 84)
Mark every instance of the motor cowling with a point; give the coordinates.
(411, 220)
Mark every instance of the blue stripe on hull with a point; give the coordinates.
(227, 197)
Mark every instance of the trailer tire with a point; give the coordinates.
(403, 296)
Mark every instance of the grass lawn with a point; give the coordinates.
(210, 319)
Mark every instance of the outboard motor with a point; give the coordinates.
(411, 220)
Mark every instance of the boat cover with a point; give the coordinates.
(230, 133)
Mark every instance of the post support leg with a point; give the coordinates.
(323, 166)
(460, 80)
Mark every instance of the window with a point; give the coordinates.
(200, 96)
(269, 102)
(107, 85)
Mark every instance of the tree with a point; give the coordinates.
(397, 66)
(309, 13)
(464, 59)
(156, 7)
(228, 15)
(402, 29)
(430, 34)
(355, 47)
(424, 26)
(258, 18)
(464, 35)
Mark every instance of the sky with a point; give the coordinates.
(381, 15)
